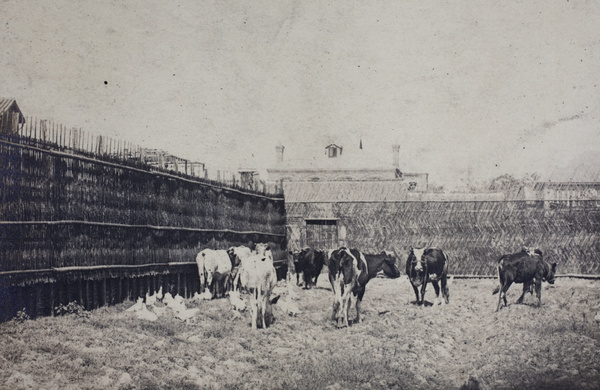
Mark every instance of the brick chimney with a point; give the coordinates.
(279, 150)
(396, 154)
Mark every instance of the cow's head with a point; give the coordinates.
(550, 277)
(261, 248)
(264, 249)
(349, 266)
(415, 258)
(209, 272)
(235, 260)
(294, 255)
(391, 266)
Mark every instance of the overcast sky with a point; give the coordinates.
(469, 89)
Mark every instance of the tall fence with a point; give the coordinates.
(74, 225)
(474, 234)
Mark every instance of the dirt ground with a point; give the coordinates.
(465, 344)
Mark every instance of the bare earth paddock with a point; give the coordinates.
(398, 345)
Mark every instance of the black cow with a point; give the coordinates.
(310, 262)
(349, 273)
(428, 265)
(527, 267)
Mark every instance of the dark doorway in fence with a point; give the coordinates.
(322, 233)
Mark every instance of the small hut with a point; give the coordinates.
(10, 116)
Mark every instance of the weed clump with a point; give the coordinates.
(72, 308)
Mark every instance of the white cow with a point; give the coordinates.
(214, 268)
(263, 249)
(258, 275)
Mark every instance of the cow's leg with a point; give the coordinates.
(338, 302)
(334, 311)
(423, 287)
(254, 309)
(538, 291)
(263, 311)
(348, 304)
(525, 290)
(445, 291)
(416, 292)
(315, 282)
(306, 278)
(436, 287)
(359, 298)
(202, 281)
(502, 295)
(236, 280)
(216, 285)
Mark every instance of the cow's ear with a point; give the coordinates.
(553, 267)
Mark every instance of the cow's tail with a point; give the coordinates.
(500, 281)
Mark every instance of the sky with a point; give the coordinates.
(470, 90)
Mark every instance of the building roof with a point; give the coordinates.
(351, 159)
(371, 191)
(7, 104)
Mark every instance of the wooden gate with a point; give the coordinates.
(322, 233)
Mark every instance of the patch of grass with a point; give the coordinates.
(217, 331)
(13, 354)
(158, 328)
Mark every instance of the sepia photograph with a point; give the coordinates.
(299, 195)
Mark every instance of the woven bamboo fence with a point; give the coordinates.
(102, 230)
(474, 234)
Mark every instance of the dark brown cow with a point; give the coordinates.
(527, 267)
(428, 265)
(310, 262)
(349, 273)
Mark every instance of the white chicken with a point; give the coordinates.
(137, 306)
(236, 302)
(145, 314)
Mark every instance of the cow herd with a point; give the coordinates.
(240, 269)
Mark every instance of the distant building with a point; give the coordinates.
(574, 194)
(337, 164)
(248, 178)
(316, 186)
(158, 158)
(10, 116)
